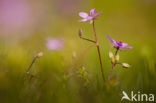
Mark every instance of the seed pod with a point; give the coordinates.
(113, 60)
(80, 32)
(91, 21)
(117, 58)
(125, 65)
(111, 55)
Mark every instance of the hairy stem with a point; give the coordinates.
(103, 76)
(113, 65)
(94, 32)
(86, 50)
(99, 54)
(116, 51)
(111, 71)
(30, 66)
(87, 39)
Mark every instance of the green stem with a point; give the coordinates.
(30, 66)
(99, 54)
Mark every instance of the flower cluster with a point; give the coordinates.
(115, 57)
(91, 17)
(118, 45)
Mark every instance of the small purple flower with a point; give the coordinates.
(89, 17)
(119, 44)
(55, 44)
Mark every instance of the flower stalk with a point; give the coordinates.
(118, 45)
(99, 54)
(91, 17)
(94, 43)
(33, 61)
(113, 64)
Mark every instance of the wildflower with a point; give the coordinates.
(54, 44)
(119, 44)
(89, 17)
(115, 58)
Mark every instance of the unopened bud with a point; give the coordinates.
(125, 65)
(117, 57)
(91, 21)
(113, 60)
(40, 54)
(80, 32)
(111, 55)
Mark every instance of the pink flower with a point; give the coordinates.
(89, 17)
(55, 44)
(119, 44)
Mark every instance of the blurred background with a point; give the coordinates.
(28, 27)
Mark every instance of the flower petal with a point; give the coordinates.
(124, 44)
(83, 20)
(128, 47)
(89, 18)
(113, 41)
(119, 44)
(92, 12)
(98, 14)
(83, 14)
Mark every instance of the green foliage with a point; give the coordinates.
(58, 77)
(82, 73)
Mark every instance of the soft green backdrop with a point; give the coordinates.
(57, 78)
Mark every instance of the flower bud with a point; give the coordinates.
(113, 60)
(111, 55)
(117, 57)
(80, 32)
(125, 65)
(91, 21)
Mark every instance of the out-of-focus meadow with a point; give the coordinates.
(59, 77)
